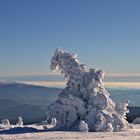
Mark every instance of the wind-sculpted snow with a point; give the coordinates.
(84, 98)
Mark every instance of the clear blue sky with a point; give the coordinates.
(104, 33)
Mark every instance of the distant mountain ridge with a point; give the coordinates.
(11, 110)
(30, 101)
(28, 94)
(126, 94)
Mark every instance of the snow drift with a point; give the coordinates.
(84, 99)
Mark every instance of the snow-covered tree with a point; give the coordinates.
(121, 109)
(84, 98)
(83, 126)
(20, 121)
(47, 124)
(6, 123)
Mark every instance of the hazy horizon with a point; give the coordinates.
(57, 80)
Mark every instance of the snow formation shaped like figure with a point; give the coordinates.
(84, 98)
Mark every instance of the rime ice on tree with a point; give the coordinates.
(84, 98)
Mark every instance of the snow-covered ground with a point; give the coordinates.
(132, 134)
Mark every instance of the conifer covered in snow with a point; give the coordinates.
(84, 98)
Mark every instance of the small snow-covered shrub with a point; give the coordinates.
(6, 123)
(83, 126)
(109, 127)
(49, 124)
(54, 121)
(20, 121)
(121, 109)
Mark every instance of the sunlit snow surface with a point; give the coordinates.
(131, 134)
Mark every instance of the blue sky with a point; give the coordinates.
(104, 33)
